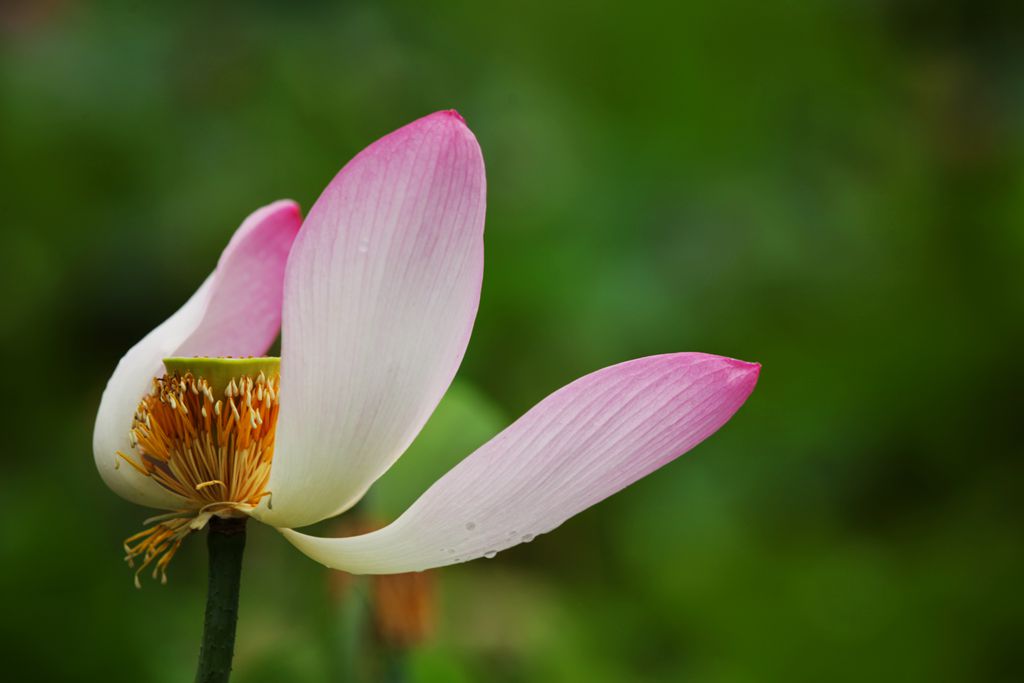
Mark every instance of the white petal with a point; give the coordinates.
(573, 449)
(236, 312)
(381, 291)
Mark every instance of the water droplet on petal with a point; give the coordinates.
(490, 554)
(364, 245)
(470, 526)
(527, 538)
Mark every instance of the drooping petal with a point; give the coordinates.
(236, 312)
(576, 447)
(381, 291)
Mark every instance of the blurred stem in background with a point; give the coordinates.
(225, 541)
(378, 620)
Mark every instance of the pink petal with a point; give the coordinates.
(236, 312)
(576, 447)
(381, 291)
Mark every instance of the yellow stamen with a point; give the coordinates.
(134, 464)
(189, 443)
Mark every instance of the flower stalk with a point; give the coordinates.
(226, 542)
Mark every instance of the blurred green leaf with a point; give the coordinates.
(463, 420)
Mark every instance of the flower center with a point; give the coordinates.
(206, 433)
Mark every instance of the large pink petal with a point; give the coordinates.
(576, 447)
(236, 312)
(381, 291)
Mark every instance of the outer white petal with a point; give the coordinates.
(381, 291)
(236, 312)
(573, 449)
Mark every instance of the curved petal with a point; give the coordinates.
(576, 447)
(236, 312)
(381, 291)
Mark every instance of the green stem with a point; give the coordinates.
(225, 541)
(393, 661)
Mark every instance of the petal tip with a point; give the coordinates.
(753, 368)
(286, 208)
(453, 113)
(281, 217)
(450, 121)
(744, 372)
(289, 206)
(738, 374)
(746, 366)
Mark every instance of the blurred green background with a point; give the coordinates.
(834, 189)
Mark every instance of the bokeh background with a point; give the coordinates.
(832, 188)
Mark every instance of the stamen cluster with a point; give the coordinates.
(214, 452)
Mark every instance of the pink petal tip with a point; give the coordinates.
(454, 114)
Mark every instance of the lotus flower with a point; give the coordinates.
(375, 294)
